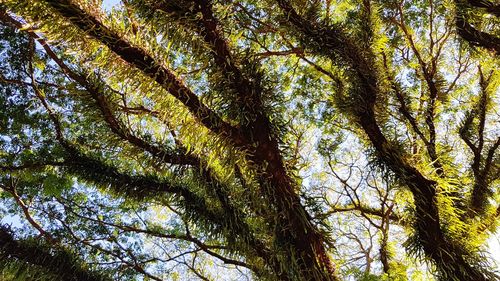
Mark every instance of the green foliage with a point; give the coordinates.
(271, 140)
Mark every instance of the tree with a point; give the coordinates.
(273, 140)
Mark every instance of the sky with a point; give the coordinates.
(108, 4)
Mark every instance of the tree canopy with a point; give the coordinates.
(249, 139)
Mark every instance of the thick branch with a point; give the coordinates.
(99, 96)
(474, 36)
(61, 264)
(278, 186)
(140, 59)
(333, 43)
(489, 6)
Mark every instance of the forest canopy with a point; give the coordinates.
(249, 139)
